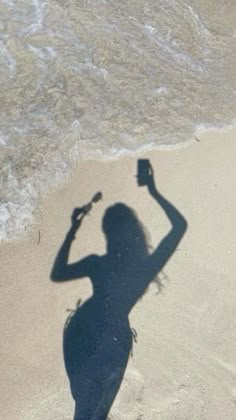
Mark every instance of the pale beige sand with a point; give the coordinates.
(184, 363)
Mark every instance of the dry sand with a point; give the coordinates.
(184, 363)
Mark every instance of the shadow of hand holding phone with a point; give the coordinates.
(97, 338)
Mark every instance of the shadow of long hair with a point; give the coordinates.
(125, 233)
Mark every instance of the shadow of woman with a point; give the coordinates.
(98, 338)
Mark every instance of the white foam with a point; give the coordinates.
(34, 27)
(2, 140)
(198, 22)
(8, 2)
(178, 56)
(43, 53)
(10, 61)
(162, 90)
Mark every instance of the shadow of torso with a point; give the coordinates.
(98, 338)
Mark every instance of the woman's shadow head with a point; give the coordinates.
(125, 235)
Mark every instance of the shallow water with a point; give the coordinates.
(98, 79)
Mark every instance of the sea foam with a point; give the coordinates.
(99, 79)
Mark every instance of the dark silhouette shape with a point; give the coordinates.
(98, 337)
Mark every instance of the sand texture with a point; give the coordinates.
(183, 363)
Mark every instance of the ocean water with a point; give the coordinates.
(99, 79)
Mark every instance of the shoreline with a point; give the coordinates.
(183, 362)
(201, 131)
(200, 134)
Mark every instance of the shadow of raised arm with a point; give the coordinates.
(169, 243)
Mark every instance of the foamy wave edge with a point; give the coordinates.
(17, 220)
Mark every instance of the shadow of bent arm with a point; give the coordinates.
(168, 245)
(61, 270)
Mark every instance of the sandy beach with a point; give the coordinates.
(183, 363)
